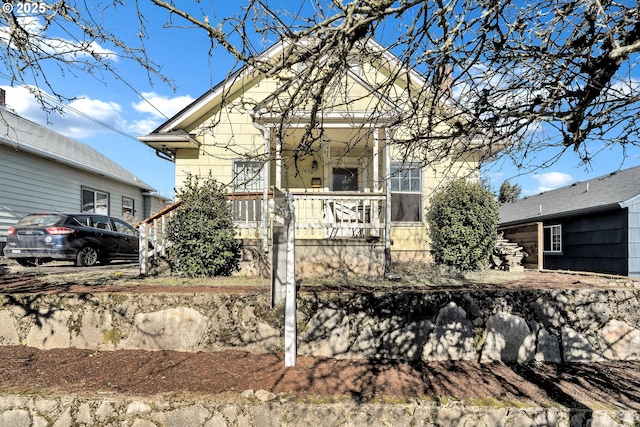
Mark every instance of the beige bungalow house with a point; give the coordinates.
(359, 198)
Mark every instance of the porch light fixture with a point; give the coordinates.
(314, 164)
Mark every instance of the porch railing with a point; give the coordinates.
(333, 215)
(318, 215)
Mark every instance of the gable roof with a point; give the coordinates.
(176, 132)
(247, 75)
(21, 134)
(613, 191)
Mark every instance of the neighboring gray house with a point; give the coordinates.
(587, 226)
(42, 170)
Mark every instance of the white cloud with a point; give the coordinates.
(87, 117)
(144, 126)
(56, 47)
(550, 181)
(161, 107)
(91, 116)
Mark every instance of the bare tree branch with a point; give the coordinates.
(545, 74)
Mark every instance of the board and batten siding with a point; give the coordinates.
(597, 242)
(29, 183)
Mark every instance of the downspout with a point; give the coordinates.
(266, 170)
(164, 156)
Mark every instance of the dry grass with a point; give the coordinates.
(406, 276)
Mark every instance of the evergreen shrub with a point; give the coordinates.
(463, 221)
(201, 231)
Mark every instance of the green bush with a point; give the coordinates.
(463, 220)
(201, 231)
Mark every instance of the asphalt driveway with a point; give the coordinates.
(57, 267)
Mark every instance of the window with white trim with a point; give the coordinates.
(95, 201)
(128, 207)
(406, 192)
(247, 175)
(552, 239)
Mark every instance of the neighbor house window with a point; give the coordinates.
(95, 201)
(127, 207)
(406, 192)
(247, 175)
(553, 238)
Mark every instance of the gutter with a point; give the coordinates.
(565, 214)
(165, 152)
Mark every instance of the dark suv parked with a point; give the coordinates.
(83, 238)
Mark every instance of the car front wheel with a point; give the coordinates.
(87, 257)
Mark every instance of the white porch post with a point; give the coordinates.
(266, 170)
(375, 158)
(279, 163)
(387, 187)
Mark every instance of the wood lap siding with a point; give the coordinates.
(29, 183)
(528, 236)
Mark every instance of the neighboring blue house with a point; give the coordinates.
(589, 226)
(42, 170)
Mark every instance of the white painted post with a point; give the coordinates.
(266, 173)
(143, 246)
(290, 333)
(387, 189)
(163, 240)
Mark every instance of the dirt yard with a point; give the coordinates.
(145, 373)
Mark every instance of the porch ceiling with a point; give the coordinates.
(354, 137)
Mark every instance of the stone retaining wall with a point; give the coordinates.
(68, 411)
(512, 326)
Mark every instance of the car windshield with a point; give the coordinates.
(40, 220)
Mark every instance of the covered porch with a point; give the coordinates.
(338, 180)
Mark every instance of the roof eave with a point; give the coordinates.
(78, 165)
(159, 141)
(559, 215)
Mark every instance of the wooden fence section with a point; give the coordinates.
(529, 237)
(154, 230)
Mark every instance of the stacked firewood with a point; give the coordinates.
(507, 256)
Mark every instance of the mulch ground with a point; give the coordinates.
(152, 373)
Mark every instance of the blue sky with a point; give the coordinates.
(120, 114)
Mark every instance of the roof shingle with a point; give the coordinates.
(596, 194)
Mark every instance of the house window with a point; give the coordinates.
(248, 175)
(406, 193)
(127, 207)
(552, 238)
(95, 201)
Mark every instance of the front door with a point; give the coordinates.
(344, 211)
(344, 179)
